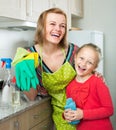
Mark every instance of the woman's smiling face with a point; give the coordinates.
(86, 61)
(55, 27)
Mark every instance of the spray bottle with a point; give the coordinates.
(6, 89)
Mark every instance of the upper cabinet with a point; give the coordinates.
(60, 4)
(29, 10)
(13, 9)
(76, 8)
(34, 9)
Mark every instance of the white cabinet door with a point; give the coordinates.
(63, 4)
(13, 9)
(23, 9)
(76, 7)
(35, 8)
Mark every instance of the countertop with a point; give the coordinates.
(6, 113)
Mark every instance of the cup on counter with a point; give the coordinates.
(16, 98)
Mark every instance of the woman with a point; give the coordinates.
(56, 58)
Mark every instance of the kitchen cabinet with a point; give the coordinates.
(5, 125)
(29, 10)
(36, 117)
(40, 115)
(76, 8)
(45, 125)
(34, 8)
(19, 122)
(60, 4)
(73, 8)
(13, 9)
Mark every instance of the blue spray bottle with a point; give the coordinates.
(6, 89)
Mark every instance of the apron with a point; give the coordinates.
(55, 84)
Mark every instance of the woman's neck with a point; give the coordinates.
(48, 49)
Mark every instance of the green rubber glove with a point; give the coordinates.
(25, 63)
(26, 75)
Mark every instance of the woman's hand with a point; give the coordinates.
(99, 75)
(31, 94)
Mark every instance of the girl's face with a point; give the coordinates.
(86, 61)
(55, 27)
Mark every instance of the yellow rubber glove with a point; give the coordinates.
(20, 54)
(34, 56)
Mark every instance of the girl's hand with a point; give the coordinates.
(71, 115)
(68, 115)
(78, 114)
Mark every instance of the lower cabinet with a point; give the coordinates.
(15, 123)
(19, 122)
(40, 117)
(37, 117)
(44, 125)
(5, 125)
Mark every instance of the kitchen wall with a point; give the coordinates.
(100, 15)
(10, 40)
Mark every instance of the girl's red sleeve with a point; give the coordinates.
(106, 106)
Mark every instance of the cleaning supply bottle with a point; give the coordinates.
(6, 89)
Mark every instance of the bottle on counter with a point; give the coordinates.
(15, 93)
(6, 89)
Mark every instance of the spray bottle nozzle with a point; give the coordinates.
(6, 61)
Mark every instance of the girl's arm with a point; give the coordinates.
(105, 108)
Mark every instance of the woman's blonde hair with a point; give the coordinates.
(41, 27)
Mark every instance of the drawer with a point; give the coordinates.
(39, 113)
(45, 125)
(5, 125)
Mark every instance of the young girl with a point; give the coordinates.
(90, 93)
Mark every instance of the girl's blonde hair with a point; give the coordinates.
(41, 27)
(95, 48)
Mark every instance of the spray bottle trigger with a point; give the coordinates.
(3, 63)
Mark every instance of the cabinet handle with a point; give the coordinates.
(40, 114)
(16, 125)
(45, 127)
(29, 8)
(36, 116)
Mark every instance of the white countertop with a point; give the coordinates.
(11, 111)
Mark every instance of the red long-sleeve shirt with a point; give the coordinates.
(94, 98)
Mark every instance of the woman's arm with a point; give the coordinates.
(31, 94)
